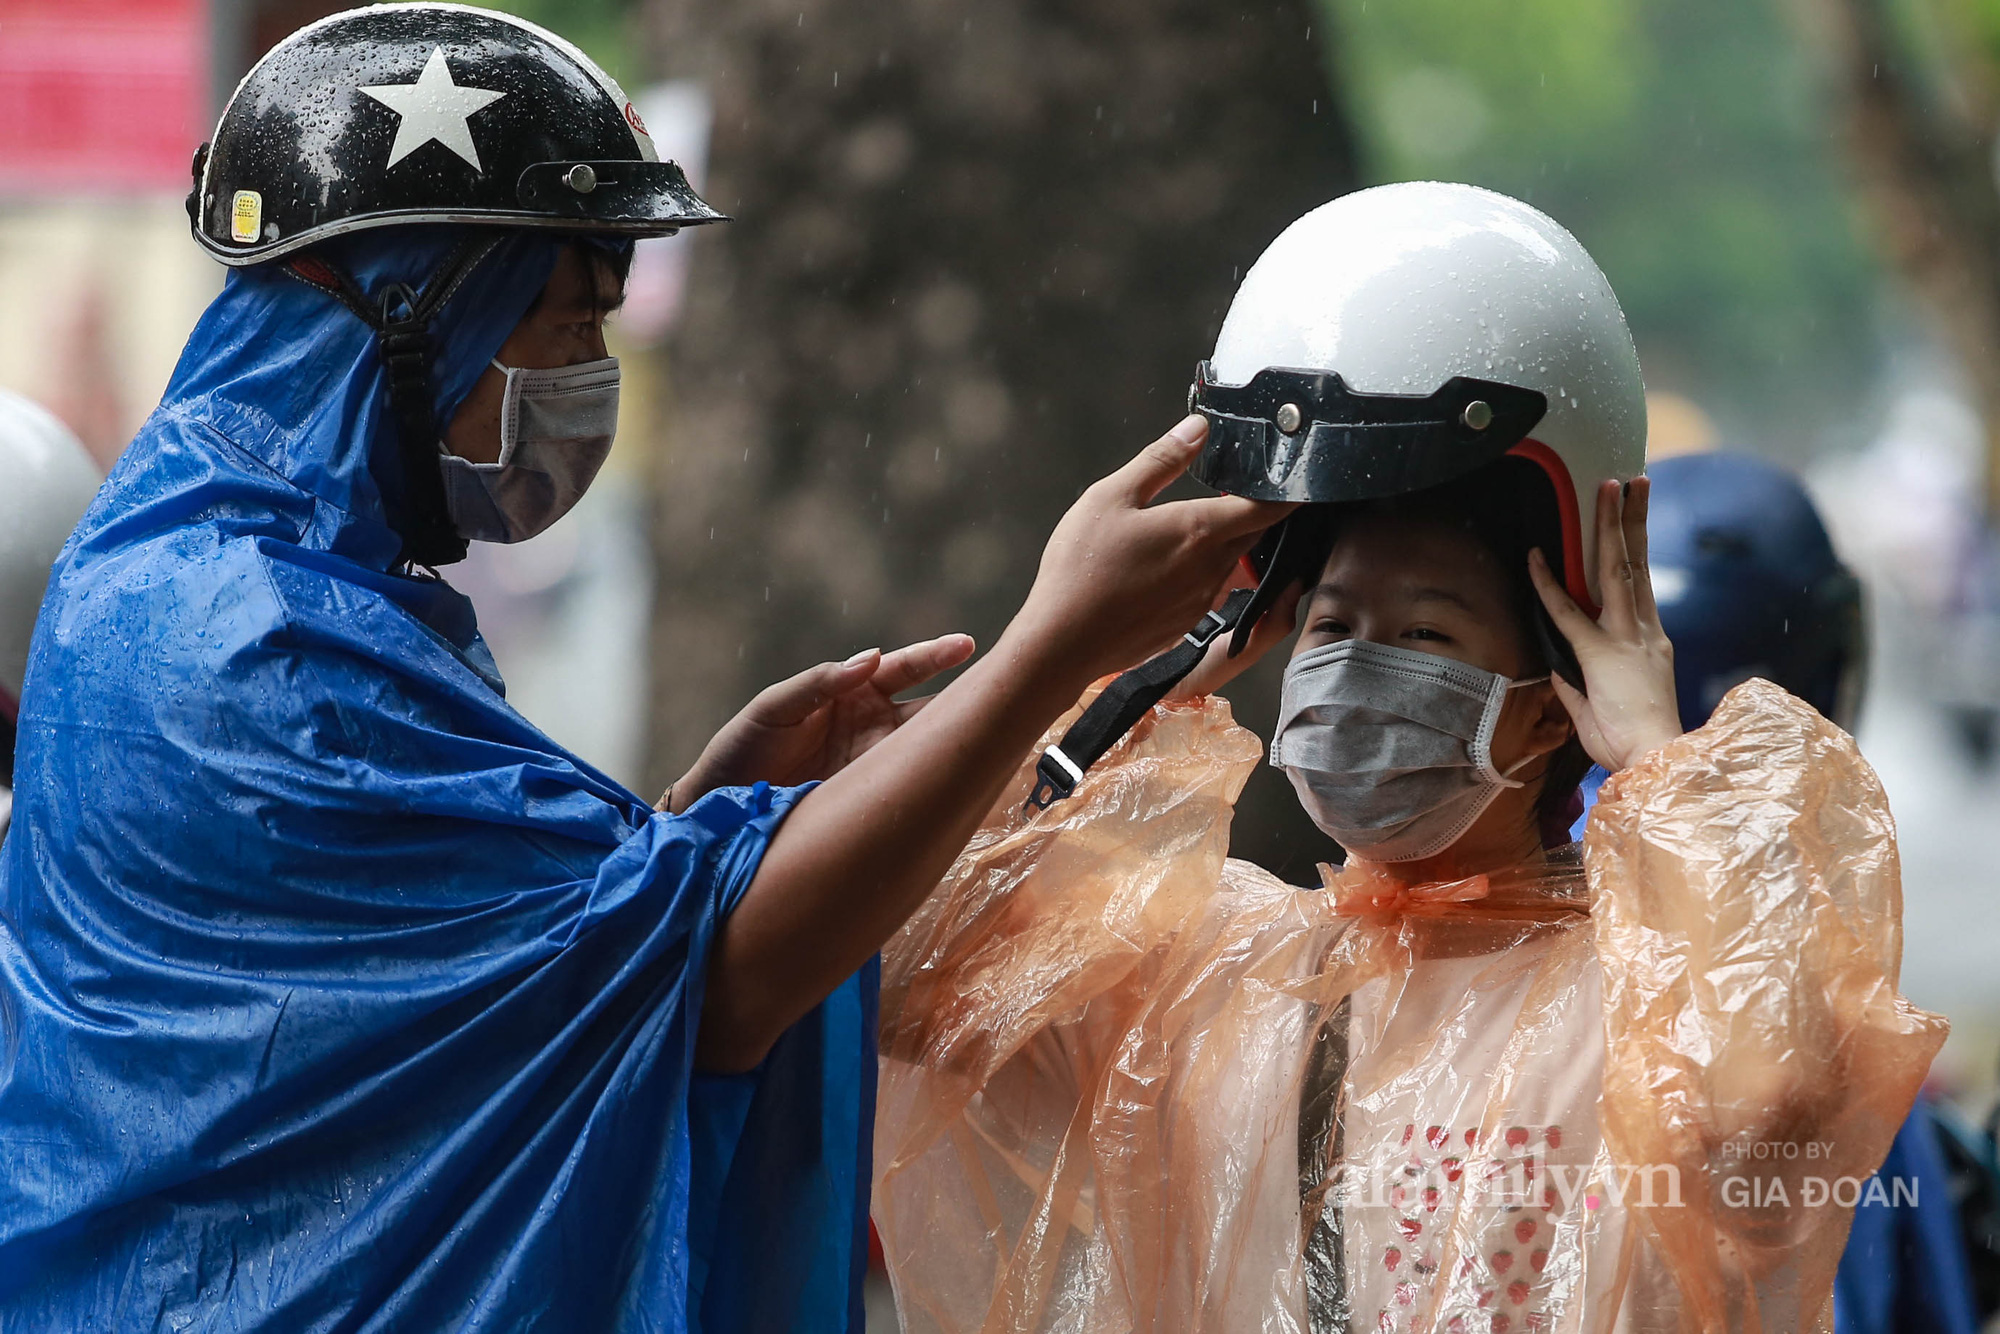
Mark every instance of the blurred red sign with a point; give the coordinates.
(101, 94)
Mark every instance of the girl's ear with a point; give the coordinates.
(1552, 726)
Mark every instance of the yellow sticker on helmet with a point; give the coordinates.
(246, 216)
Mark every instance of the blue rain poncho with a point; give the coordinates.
(334, 995)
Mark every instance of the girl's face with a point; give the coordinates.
(1425, 587)
(1432, 588)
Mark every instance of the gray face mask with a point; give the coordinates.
(1391, 751)
(556, 427)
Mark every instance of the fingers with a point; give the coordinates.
(1285, 612)
(1572, 699)
(1229, 518)
(1614, 566)
(1278, 622)
(1638, 499)
(1575, 624)
(1218, 669)
(1159, 463)
(918, 663)
(1638, 503)
(792, 700)
(1275, 628)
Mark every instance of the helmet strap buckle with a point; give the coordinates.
(1125, 701)
(393, 296)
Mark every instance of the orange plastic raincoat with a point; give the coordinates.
(1129, 1084)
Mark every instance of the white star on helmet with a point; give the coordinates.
(433, 108)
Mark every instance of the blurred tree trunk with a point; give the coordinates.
(1923, 160)
(979, 249)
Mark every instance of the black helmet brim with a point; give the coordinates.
(636, 199)
(1342, 445)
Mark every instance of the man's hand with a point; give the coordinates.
(813, 725)
(1122, 578)
(1628, 665)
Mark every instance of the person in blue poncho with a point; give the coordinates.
(1748, 585)
(333, 994)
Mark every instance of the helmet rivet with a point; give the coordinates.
(581, 178)
(1289, 418)
(1478, 414)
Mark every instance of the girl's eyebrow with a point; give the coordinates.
(1426, 593)
(1433, 594)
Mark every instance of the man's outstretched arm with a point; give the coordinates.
(1120, 579)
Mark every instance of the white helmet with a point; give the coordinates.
(1399, 337)
(46, 483)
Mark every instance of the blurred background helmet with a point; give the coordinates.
(1749, 585)
(417, 113)
(1404, 336)
(46, 483)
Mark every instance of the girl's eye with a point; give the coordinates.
(1329, 625)
(1424, 632)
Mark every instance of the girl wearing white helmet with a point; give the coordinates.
(1480, 1082)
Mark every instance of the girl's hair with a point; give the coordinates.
(1509, 508)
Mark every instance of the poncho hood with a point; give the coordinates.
(290, 378)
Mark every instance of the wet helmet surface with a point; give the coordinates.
(428, 113)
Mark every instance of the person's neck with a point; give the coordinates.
(1506, 835)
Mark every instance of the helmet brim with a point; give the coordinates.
(627, 198)
(1343, 445)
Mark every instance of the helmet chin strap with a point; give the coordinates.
(1287, 553)
(1125, 701)
(401, 320)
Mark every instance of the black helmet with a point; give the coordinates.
(424, 113)
(428, 113)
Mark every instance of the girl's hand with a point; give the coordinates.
(815, 724)
(1628, 665)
